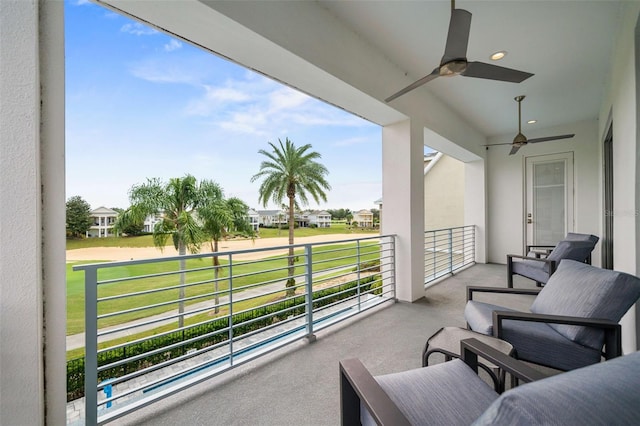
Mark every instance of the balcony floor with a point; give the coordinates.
(298, 385)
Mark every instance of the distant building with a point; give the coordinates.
(272, 218)
(364, 218)
(443, 192)
(102, 220)
(254, 219)
(150, 222)
(319, 218)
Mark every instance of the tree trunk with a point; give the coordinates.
(182, 250)
(291, 281)
(216, 266)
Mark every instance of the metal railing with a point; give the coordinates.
(447, 250)
(155, 327)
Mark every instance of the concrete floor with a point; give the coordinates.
(298, 385)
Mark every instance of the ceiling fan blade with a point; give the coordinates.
(496, 144)
(458, 37)
(415, 85)
(514, 149)
(550, 138)
(494, 72)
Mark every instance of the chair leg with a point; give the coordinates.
(509, 272)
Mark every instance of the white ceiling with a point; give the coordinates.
(357, 53)
(566, 44)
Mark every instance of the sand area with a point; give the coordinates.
(129, 253)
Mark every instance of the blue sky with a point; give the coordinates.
(140, 104)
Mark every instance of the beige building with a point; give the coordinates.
(364, 218)
(443, 192)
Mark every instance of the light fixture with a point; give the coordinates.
(498, 55)
(532, 121)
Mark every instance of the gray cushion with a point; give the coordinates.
(581, 290)
(602, 394)
(572, 236)
(449, 393)
(479, 316)
(571, 249)
(534, 341)
(539, 343)
(535, 270)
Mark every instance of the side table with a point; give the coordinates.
(447, 342)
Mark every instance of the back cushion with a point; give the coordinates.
(580, 290)
(602, 394)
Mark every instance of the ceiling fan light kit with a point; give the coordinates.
(454, 61)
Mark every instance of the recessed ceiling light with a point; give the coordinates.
(498, 55)
(532, 121)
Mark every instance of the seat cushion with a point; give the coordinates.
(479, 316)
(538, 271)
(602, 394)
(449, 393)
(533, 341)
(581, 290)
(539, 343)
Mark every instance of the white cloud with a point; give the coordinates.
(138, 29)
(258, 105)
(80, 2)
(351, 141)
(158, 72)
(172, 45)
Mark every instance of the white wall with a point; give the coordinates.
(621, 102)
(505, 177)
(32, 296)
(403, 195)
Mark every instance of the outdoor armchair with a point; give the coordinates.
(573, 321)
(540, 265)
(451, 393)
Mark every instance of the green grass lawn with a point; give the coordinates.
(147, 240)
(273, 269)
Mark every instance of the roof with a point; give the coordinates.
(104, 210)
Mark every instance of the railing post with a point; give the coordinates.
(358, 287)
(91, 346)
(230, 310)
(309, 292)
(434, 252)
(451, 250)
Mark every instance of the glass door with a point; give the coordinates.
(549, 201)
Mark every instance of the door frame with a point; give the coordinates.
(568, 156)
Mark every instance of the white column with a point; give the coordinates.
(403, 198)
(475, 204)
(32, 332)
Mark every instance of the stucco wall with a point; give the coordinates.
(32, 296)
(444, 194)
(621, 104)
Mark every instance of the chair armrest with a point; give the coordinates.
(612, 330)
(472, 348)
(358, 385)
(545, 247)
(537, 259)
(477, 289)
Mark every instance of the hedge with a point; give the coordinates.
(255, 319)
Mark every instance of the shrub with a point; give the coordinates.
(207, 334)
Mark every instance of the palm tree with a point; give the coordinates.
(220, 217)
(177, 201)
(290, 171)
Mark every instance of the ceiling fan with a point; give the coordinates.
(521, 140)
(454, 62)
